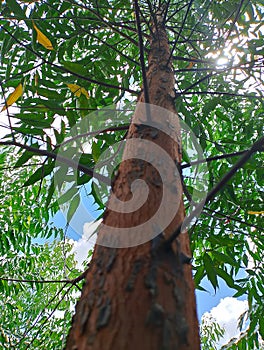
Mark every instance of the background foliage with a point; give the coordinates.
(74, 57)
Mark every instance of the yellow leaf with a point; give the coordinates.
(42, 39)
(78, 90)
(85, 92)
(191, 64)
(14, 96)
(256, 212)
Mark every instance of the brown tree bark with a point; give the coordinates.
(142, 297)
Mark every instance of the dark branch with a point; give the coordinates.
(257, 146)
(101, 83)
(180, 31)
(70, 162)
(65, 281)
(220, 93)
(231, 218)
(210, 159)
(141, 51)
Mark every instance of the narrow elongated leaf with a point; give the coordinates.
(25, 156)
(68, 195)
(94, 193)
(77, 90)
(225, 276)
(39, 174)
(75, 68)
(256, 212)
(73, 207)
(210, 270)
(14, 96)
(224, 258)
(16, 9)
(42, 39)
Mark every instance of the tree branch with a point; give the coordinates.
(231, 218)
(210, 159)
(257, 146)
(70, 162)
(141, 52)
(101, 83)
(181, 28)
(219, 93)
(66, 281)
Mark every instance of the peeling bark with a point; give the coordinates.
(142, 297)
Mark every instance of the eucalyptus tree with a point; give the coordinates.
(122, 79)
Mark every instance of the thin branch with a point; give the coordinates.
(113, 47)
(48, 317)
(211, 74)
(65, 281)
(101, 83)
(113, 128)
(141, 52)
(22, 73)
(152, 14)
(181, 28)
(257, 146)
(175, 12)
(166, 9)
(231, 218)
(196, 60)
(40, 315)
(219, 93)
(210, 159)
(235, 19)
(205, 12)
(108, 24)
(70, 162)
(197, 83)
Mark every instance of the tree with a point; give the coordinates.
(203, 59)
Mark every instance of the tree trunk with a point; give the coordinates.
(142, 296)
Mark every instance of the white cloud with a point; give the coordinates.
(86, 242)
(227, 314)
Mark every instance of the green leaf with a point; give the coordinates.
(73, 207)
(210, 270)
(75, 68)
(83, 179)
(224, 258)
(39, 174)
(94, 192)
(16, 9)
(26, 156)
(199, 275)
(225, 276)
(68, 195)
(210, 106)
(96, 150)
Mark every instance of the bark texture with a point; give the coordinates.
(143, 297)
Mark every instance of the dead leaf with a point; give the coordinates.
(42, 39)
(256, 212)
(13, 97)
(77, 90)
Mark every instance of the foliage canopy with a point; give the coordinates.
(66, 59)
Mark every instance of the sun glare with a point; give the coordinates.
(222, 61)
